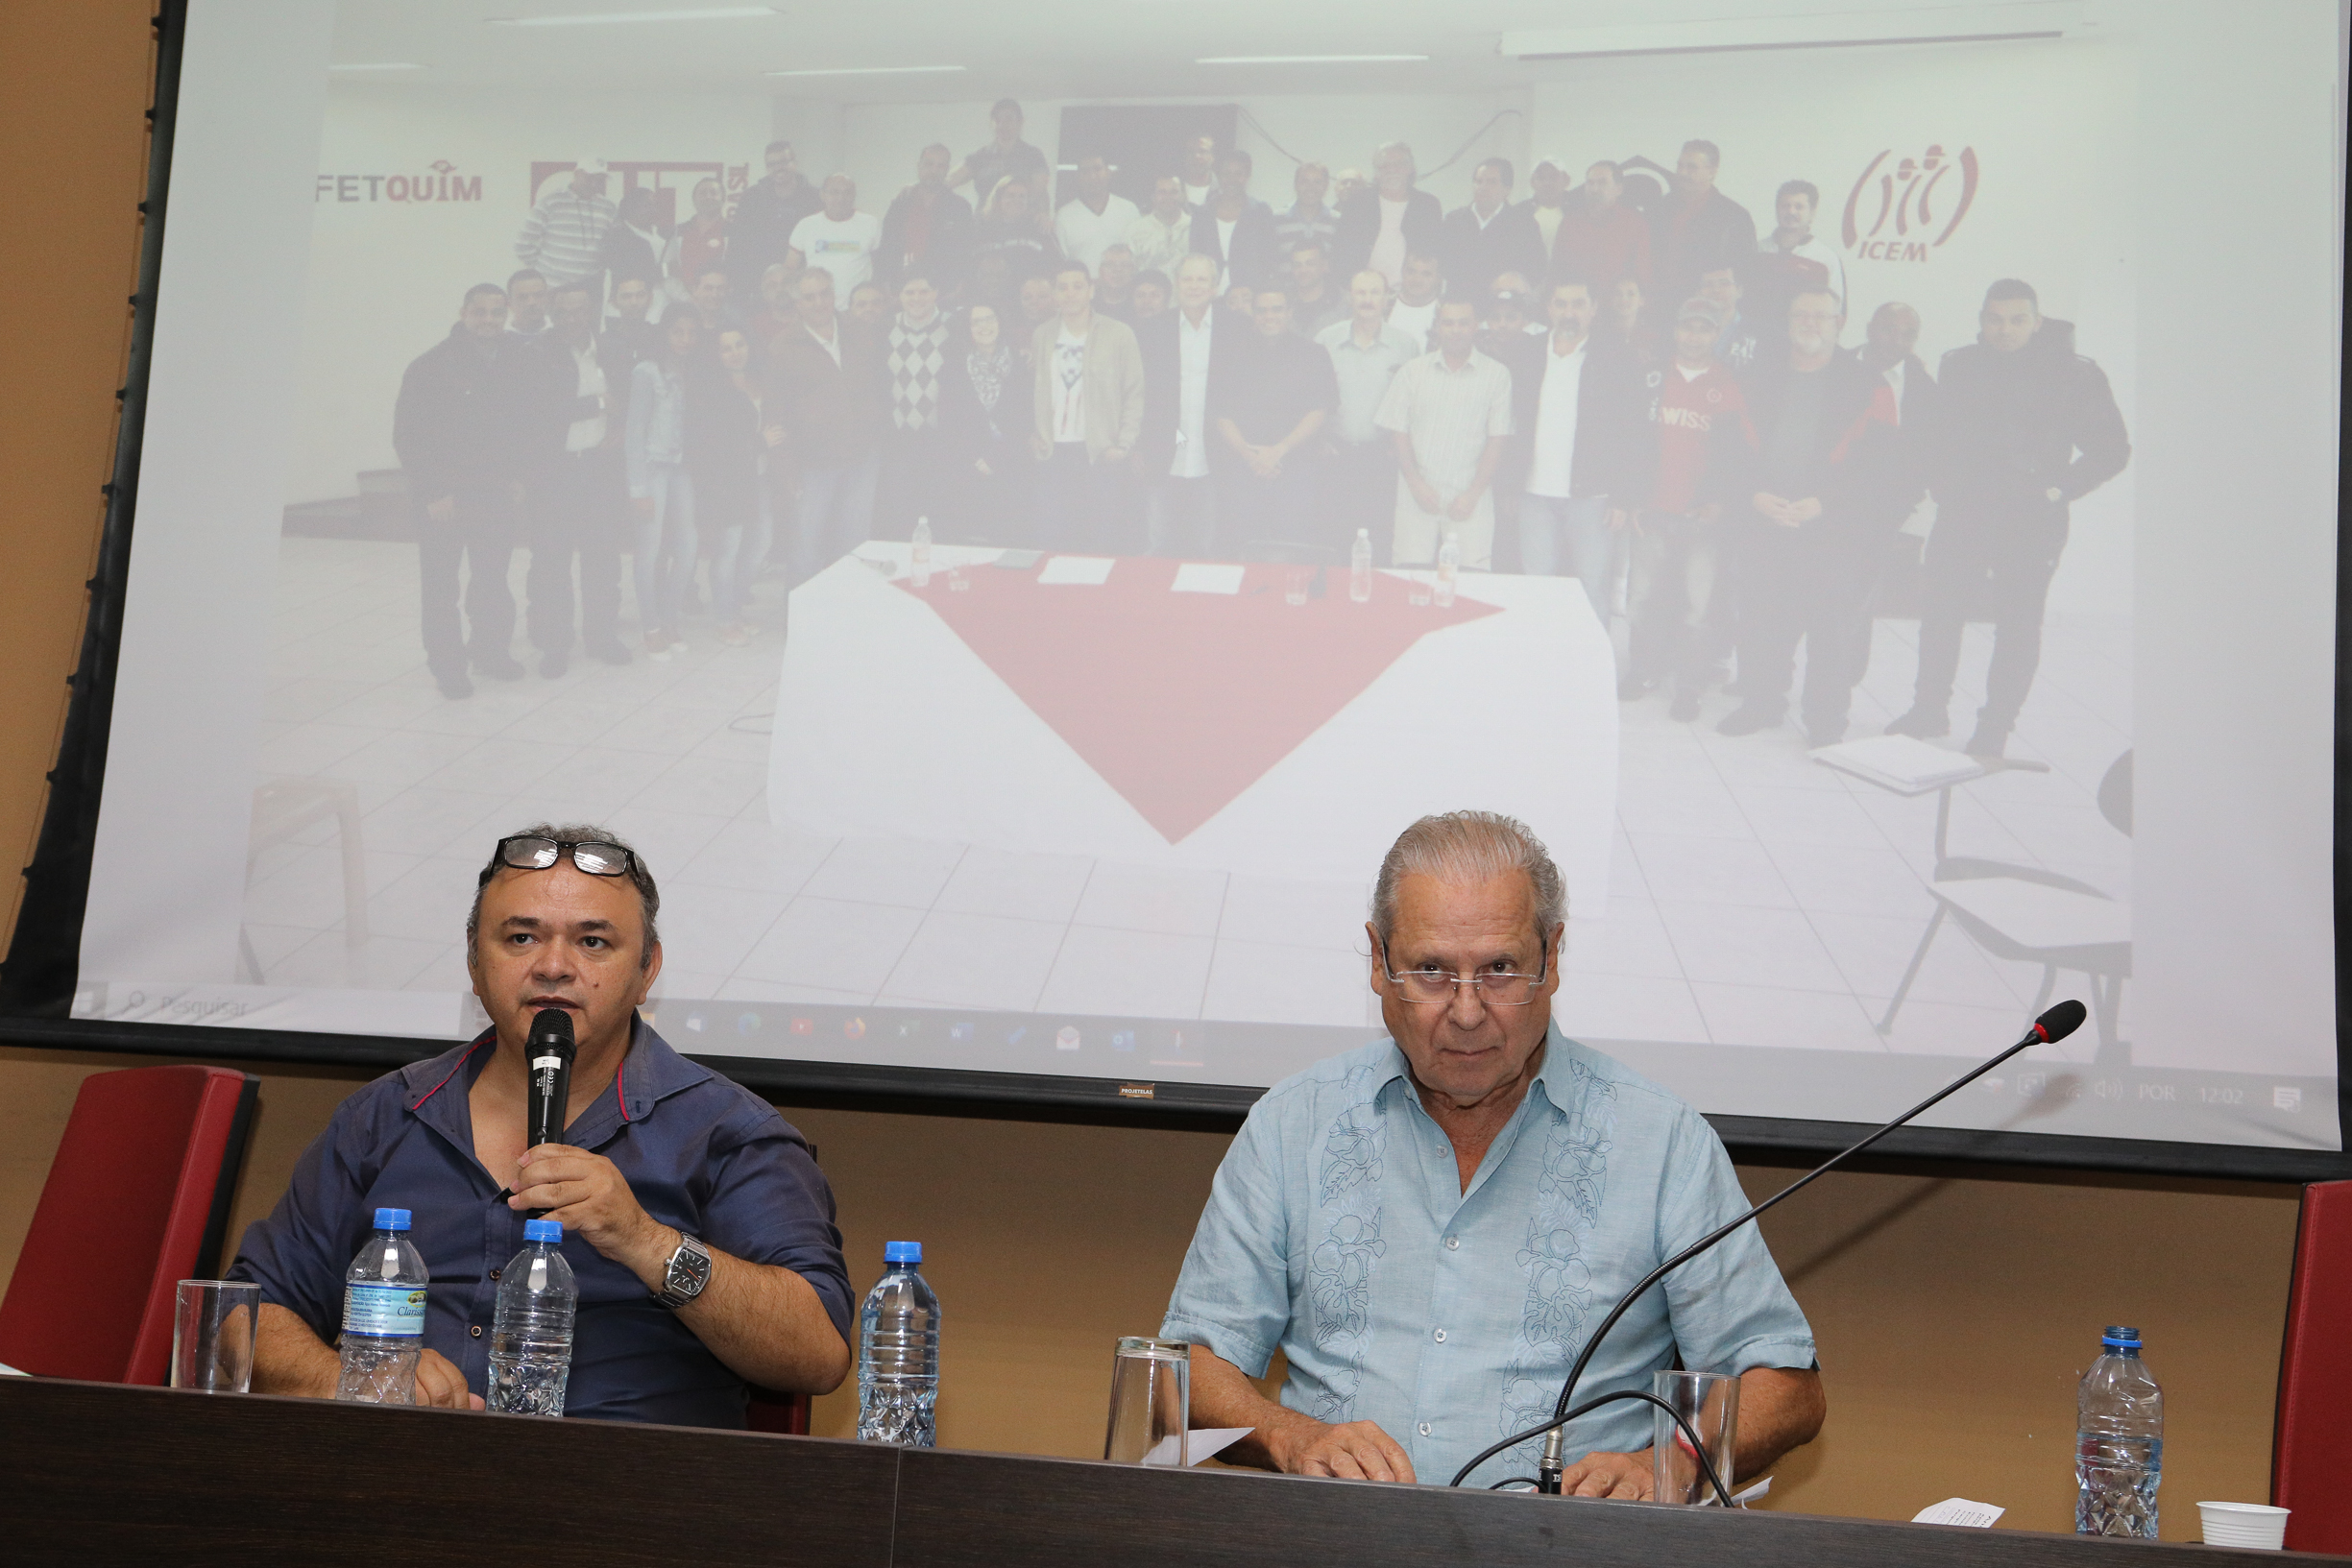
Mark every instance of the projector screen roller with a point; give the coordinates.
(973, 723)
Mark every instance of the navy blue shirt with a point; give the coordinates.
(700, 1153)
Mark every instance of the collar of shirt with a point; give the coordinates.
(1398, 1070)
(650, 1072)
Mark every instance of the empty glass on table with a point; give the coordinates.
(1151, 1402)
(213, 1336)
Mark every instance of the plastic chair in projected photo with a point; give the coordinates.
(285, 808)
(2013, 911)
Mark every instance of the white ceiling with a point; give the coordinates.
(1119, 49)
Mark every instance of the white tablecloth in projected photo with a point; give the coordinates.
(1035, 710)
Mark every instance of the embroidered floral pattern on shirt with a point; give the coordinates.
(1340, 1269)
(1352, 1152)
(1559, 1297)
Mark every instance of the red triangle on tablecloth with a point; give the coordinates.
(1181, 701)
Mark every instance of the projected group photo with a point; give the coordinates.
(1012, 563)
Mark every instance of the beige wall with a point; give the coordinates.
(1954, 1309)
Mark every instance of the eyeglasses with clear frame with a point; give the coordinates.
(1495, 987)
(594, 856)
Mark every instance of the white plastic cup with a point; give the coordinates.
(2255, 1525)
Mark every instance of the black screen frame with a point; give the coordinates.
(38, 976)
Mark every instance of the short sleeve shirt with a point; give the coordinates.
(700, 1153)
(1449, 414)
(1283, 379)
(1364, 372)
(1338, 1232)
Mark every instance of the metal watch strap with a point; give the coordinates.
(686, 1273)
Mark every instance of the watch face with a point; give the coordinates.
(690, 1269)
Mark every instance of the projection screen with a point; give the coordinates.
(1088, 800)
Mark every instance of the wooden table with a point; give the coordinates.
(96, 1473)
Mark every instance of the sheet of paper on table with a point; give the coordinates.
(1959, 1511)
(1763, 1488)
(1076, 570)
(1205, 1443)
(1207, 577)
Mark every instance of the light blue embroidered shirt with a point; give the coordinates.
(1338, 1232)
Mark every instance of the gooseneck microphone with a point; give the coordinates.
(2050, 1027)
(549, 1053)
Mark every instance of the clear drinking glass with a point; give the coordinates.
(1709, 1401)
(1295, 585)
(213, 1336)
(1151, 1402)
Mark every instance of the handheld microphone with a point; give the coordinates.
(2050, 1027)
(548, 1051)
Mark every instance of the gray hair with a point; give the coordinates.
(648, 896)
(1463, 848)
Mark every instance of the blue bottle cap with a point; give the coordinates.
(902, 1252)
(392, 1219)
(2118, 1335)
(543, 1230)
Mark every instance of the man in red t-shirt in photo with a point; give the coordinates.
(1700, 419)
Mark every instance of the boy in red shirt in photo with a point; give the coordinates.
(1704, 435)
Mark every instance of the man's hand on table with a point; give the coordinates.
(1355, 1451)
(1626, 1475)
(441, 1384)
(588, 1196)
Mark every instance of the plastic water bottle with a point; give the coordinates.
(1449, 566)
(898, 1353)
(530, 1337)
(918, 554)
(383, 1316)
(1360, 569)
(2119, 1441)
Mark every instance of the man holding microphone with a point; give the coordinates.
(710, 1259)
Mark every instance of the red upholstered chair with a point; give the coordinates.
(2312, 1453)
(773, 1412)
(136, 1200)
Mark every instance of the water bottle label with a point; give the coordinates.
(385, 1311)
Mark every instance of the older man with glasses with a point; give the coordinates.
(696, 1220)
(1429, 1227)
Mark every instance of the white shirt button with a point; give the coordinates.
(1424, 1429)
(1453, 1243)
(1440, 1336)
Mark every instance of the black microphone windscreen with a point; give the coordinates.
(552, 1026)
(2062, 1020)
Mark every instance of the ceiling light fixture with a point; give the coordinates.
(875, 70)
(1311, 60)
(2014, 21)
(601, 18)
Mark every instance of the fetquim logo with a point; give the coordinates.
(439, 183)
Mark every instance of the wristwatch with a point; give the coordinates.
(688, 1272)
